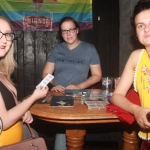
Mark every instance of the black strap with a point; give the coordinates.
(15, 98)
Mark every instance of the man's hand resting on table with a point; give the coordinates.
(58, 88)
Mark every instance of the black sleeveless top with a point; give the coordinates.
(7, 97)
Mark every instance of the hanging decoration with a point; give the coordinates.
(45, 15)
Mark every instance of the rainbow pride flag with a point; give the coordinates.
(45, 15)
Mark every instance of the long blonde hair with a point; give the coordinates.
(8, 63)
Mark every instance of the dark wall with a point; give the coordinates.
(106, 35)
(32, 48)
(31, 51)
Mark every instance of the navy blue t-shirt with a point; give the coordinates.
(72, 66)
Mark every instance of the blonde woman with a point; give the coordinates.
(11, 113)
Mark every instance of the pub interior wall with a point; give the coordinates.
(32, 48)
(44, 41)
(128, 43)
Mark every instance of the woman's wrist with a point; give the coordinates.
(50, 85)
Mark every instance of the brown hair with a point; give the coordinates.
(139, 7)
(69, 19)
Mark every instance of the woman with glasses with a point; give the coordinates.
(70, 62)
(12, 113)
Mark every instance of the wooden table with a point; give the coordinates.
(77, 116)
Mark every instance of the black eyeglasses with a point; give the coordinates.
(8, 36)
(70, 31)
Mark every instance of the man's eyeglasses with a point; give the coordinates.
(8, 36)
(70, 31)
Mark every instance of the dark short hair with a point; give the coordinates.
(68, 19)
(139, 7)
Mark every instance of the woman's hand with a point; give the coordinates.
(58, 88)
(71, 86)
(140, 116)
(39, 93)
(27, 117)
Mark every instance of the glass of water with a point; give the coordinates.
(107, 83)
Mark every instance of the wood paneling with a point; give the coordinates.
(31, 51)
(106, 35)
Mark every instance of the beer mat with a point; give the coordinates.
(62, 101)
(96, 104)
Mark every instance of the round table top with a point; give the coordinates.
(77, 114)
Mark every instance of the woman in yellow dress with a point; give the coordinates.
(137, 71)
(12, 113)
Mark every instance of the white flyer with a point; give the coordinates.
(45, 81)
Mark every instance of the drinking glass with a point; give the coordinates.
(107, 84)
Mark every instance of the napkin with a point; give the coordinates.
(123, 115)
